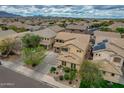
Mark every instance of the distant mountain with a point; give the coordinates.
(5, 14)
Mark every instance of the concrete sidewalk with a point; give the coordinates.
(33, 74)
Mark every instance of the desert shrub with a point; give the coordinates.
(61, 78)
(66, 69)
(66, 76)
(53, 69)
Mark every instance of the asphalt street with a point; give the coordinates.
(10, 79)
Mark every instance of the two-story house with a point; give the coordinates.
(72, 48)
(48, 35)
(109, 53)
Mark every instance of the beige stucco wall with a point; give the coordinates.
(73, 49)
(47, 41)
(107, 55)
(102, 55)
(68, 64)
(116, 63)
(107, 76)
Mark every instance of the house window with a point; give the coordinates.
(47, 38)
(96, 54)
(113, 74)
(79, 51)
(56, 40)
(61, 41)
(57, 47)
(104, 72)
(117, 59)
(63, 63)
(99, 55)
(65, 49)
(73, 66)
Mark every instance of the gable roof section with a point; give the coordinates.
(76, 27)
(47, 33)
(109, 67)
(107, 34)
(69, 57)
(79, 40)
(6, 33)
(56, 28)
(115, 45)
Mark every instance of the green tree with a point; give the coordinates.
(30, 41)
(90, 75)
(66, 76)
(17, 29)
(33, 56)
(120, 30)
(6, 47)
(4, 28)
(103, 28)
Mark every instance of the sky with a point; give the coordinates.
(76, 11)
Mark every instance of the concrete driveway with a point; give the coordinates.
(48, 62)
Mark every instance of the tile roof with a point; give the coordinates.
(109, 67)
(69, 57)
(79, 40)
(107, 34)
(115, 45)
(6, 33)
(76, 27)
(47, 33)
(56, 28)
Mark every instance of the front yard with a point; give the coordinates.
(65, 75)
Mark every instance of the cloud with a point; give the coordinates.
(105, 7)
(78, 11)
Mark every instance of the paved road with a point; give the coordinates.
(10, 79)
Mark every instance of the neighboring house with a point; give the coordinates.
(17, 24)
(48, 35)
(116, 25)
(72, 48)
(6, 33)
(107, 34)
(109, 53)
(32, 28)
(13, 37)
(56, 28)
(76, 28)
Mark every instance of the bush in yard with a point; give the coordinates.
(6, 47)
(33, 56)
(66, 76)
(61, 77)
(53, 69)
(120, 30)
(66, 69)
(30, 41)
(72, 75)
